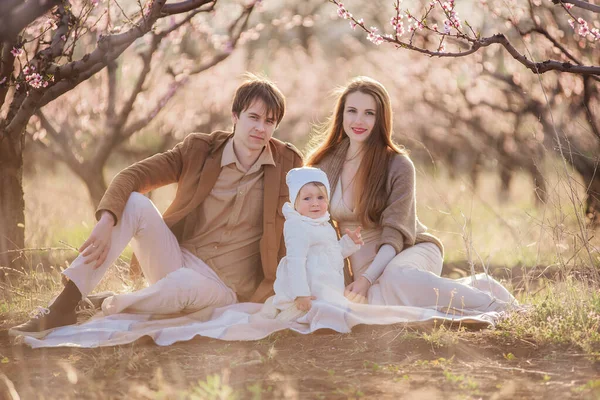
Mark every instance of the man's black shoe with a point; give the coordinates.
(42, 322)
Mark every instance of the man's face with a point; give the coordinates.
(253, 128)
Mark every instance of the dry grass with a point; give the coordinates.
(551, 349)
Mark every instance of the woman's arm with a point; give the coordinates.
(358, 290)
(399, 218)
(385, 254)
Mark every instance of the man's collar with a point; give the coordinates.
(229, 157)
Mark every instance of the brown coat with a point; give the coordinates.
(401, 226)
(194, 165)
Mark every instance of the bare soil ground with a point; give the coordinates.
(385, 362)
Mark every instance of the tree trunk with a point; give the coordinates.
(593, 201)
(94, 181)
(12, 205)
(506, 175)
(587, 167)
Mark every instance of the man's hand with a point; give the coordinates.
(95, 248)
(357, 291)
(304, 303)
(355, 235)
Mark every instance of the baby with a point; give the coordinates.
(314, 265)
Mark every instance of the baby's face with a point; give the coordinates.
(311, 202)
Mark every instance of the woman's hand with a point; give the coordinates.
(355, 235)
(357, 291)
(304, 303)
(95, 248)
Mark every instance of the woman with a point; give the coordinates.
(373, 185)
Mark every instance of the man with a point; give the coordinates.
(221, 238)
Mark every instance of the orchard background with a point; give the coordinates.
(498, 103)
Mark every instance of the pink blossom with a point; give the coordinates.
(568, 6)
(353, 24)
(94, 2)
(3, 80)
(35, 80)
(447, 25)
(342, 12)
(442, 48)
(571, 23)
(16, 51)
(374, 37)
(52, 24)
(400, 29)
(583, 27)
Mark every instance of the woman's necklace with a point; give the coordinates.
(359, 152)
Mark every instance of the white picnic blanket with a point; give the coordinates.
(244, 321)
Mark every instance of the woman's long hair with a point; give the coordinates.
(370, 192)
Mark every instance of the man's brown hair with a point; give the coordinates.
(259, 88)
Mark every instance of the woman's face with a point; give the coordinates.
(360, 113)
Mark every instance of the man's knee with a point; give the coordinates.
(138, 200)
(138, 205)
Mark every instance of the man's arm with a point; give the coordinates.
(144, 176)
(158, 170)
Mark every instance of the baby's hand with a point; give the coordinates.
(355, 235)
(304, 303)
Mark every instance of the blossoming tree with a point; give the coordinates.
(555, 41)
(44, 54)
(84, 137)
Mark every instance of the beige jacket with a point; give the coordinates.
(194, 165)
(401, 227)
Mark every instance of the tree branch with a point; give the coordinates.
(587, 96)
(579, 3)
(111, 70)
(107, 44)
(241, 22)
(537, 67)
(478, 43)
(7, 61)
(66, 153)
(65, 85)
(57, 46)
(139, 84)
(14, 18)
(184, 6)
(144, 121)
(22, 116)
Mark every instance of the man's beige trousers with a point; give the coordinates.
(178, 280)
